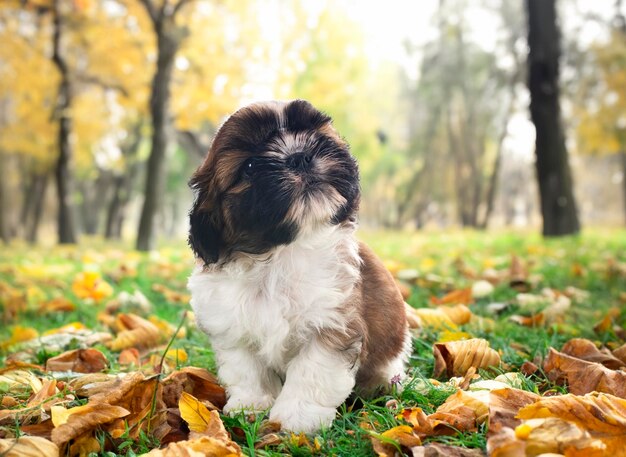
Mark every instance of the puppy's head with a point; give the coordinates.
(275, 170)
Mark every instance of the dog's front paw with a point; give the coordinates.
(248, 404)
(298, 416)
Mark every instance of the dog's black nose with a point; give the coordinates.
(299, 161)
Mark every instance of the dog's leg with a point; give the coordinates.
(250, 386)
(318, 380)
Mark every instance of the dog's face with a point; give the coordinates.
(275, 171)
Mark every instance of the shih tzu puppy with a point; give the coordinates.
(299, 313)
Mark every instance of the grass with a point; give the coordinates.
(593, 261)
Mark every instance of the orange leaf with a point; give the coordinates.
(460, 296)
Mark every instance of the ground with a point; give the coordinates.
(519, 292)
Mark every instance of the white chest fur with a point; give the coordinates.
(274, 305)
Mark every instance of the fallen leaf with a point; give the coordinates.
(136, 332)
(28, 446)
(79, 361)
(599, 418)
(518, 275)
(505, 443)
(200, 419)
(504, 404)
(129, 356)
(200, 447)
(84, 418)
(443, 317)
(587, 350)
(443, 450)
(90, 285)
(198, 382)
(455, 358)
(582, 376)
(535, 320)
(607, 321)
(402, 435)
(19, 334)
(463, 411)
(481, 289)
(59, 304)
(553, 436)
(459, 296)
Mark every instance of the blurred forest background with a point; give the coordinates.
(107, 107)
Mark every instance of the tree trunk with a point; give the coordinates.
(558, 207)
(66, 227)
(623, 157)
(123, 186)
(161, 136)
(39, 186)
(4, 207)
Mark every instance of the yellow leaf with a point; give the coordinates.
(20, 334)
(194, 413)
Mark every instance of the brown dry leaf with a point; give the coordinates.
(135, 332)
(518, 275)
(59, 304)
(129, 356)
(402, 434)
(79, 360)
(455, 358)
(587, 350)
(139, 402)
(460, 296)
(28, 446)
(535, 320)
(504, 404)
(271, 439)
(103, 389)
(84, 418)
(200, 447)
(198, 382)
(607, 321)
(463, 411)
(583, 377)
(601, 417)
(443, 450)
(506, 444)
(620, 353)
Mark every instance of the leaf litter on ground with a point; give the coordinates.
(525, 337)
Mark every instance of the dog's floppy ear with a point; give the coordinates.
(205, 224)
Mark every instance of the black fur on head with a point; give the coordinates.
(274, 170)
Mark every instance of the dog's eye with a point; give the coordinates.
(248, 168)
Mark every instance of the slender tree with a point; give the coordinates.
(63, 175)
(558, 207)
(169, 37)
